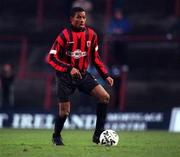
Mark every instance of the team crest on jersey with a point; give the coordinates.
(88, 43)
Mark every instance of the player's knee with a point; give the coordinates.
(64, 113)
(64, 110)
(105, 98)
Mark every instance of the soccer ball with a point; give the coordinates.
(109, 138)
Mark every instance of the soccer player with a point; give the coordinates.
(70, 55)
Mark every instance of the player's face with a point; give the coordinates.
(79, 20)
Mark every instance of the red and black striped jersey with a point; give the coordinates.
(76, 49)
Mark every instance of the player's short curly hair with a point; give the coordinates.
(75, 10)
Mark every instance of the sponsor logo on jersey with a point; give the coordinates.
(77, 54)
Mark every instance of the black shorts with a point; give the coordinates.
(66, 85)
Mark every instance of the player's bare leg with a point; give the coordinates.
(100, 93)
(103, 97)
(64, 110)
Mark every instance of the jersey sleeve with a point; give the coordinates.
(55, 51)
(96, 58)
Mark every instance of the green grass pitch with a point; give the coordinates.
(37, 143)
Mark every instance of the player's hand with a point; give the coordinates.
(75, 73)
(110, 81)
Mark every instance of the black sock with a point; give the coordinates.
(101, 113)
(59, 123)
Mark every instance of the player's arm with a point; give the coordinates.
(98, 63)
(57, 50)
